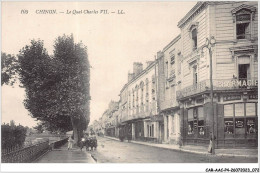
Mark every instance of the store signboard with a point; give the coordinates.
(253, 96)
(231, 97)
(236, 83)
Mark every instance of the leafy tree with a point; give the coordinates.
(8, 69)
(74, 85)
(39, 127)
(57, 88)
(12, 135)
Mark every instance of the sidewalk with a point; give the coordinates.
(252, 153)
(63, 155)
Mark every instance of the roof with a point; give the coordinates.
(191, 12)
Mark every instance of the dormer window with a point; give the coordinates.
(242, 17)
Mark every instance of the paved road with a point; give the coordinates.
(112, 151)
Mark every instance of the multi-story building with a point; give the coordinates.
(170, 99)
(233, 25)
(139, 117)
(110, 119)
(171, 55)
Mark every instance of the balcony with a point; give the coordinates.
(218, 84)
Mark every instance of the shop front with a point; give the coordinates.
(235, 120)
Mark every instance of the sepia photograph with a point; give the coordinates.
(146, 82)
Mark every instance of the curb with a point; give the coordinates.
(189, 151)
(94, 158)
(38, 158)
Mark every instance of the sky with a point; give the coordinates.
(114, 42)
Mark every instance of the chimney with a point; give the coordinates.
(130, 76)
(148, 63)
(138, 68)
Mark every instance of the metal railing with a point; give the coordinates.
(24, 154)
(218, 84)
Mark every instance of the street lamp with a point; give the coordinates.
(209, 44)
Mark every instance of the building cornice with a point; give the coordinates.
(193, 12)
(172, 43)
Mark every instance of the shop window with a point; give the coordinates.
(229, 127)
(239, 127)
(251, 126)
(190, 122)
(201, 128)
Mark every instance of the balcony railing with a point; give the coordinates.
(218, 84)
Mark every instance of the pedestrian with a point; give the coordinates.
(70, 143)
(180, 140)
(210, 143)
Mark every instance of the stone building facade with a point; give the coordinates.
(169, 101)
(139, 104)
(235, 74)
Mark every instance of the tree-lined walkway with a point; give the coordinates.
(63, 155)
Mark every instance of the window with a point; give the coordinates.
(194, 39)
(201, 129)
(190, 122)
(229, 129)
(251, 125)
(250, 109)
(166, 70)
(242, 17)
(172, 59)
(243, 26)
(240, 120)
(243, 73)
(195, 75)
(239, 109)
(150, 130)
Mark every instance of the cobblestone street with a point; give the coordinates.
(112, 151)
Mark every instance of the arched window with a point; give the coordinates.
(193, 30)
(194, 39)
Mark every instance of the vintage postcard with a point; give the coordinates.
(130, 82)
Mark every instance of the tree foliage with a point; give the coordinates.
(57, 87)
(12, 135)
(8, 69)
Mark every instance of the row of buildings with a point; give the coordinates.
(169, 100)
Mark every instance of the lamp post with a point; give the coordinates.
(209, 44)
